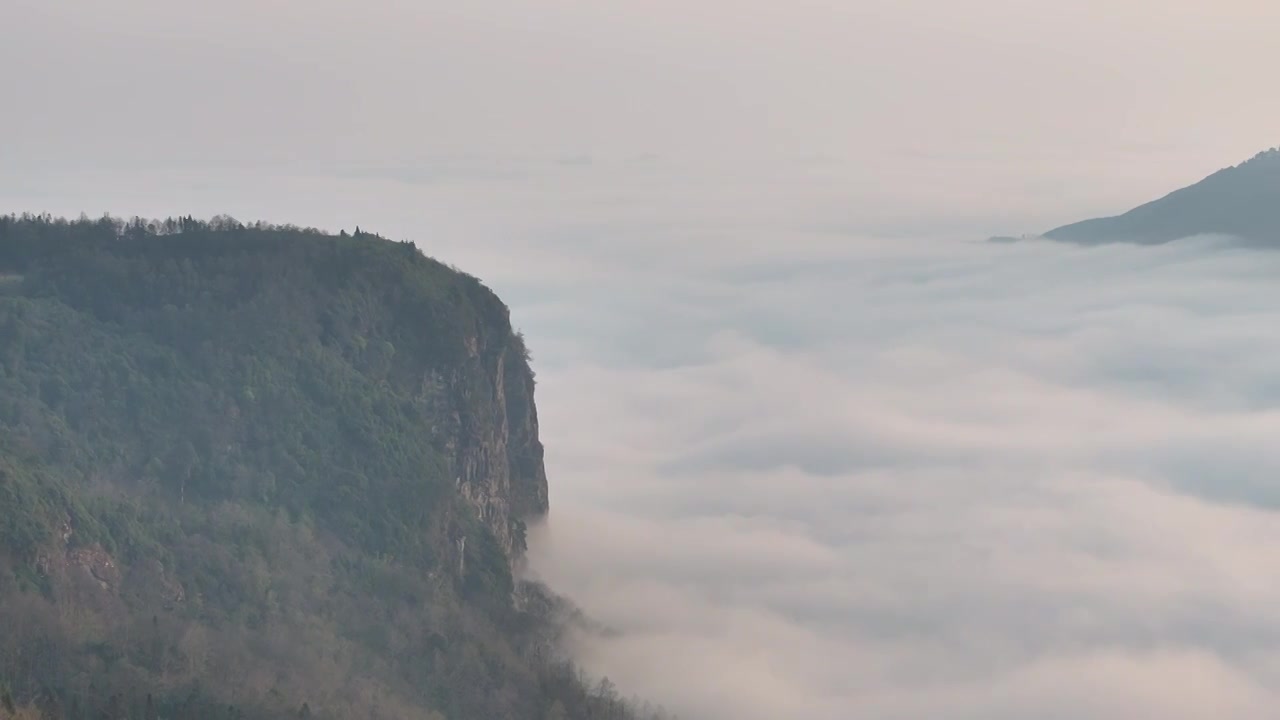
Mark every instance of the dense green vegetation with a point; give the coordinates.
(227, 481)
(1243, 201)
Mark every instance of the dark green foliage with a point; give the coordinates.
(1242, 201)
(243, 365)
(227, 474)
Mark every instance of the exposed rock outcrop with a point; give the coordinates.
(497, 456)
(92, 574)
(97, 564)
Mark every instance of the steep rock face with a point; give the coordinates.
(497, 456)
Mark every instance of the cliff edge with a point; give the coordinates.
(268, 469)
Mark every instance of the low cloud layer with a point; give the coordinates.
(806, 473)
(924, 479)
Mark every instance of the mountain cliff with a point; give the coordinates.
(1242, 201)
(266, 472)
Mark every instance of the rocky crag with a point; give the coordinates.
(266, 472)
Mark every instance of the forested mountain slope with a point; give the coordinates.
(265, 472)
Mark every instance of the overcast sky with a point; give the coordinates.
(816, 451)
(1039, 110)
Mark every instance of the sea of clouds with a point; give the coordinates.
(816, 450)
(821, 455)
(859, 478)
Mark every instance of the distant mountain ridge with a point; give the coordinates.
(1243, 201)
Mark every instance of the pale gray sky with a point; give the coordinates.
(815, 450)
(1036, 109)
